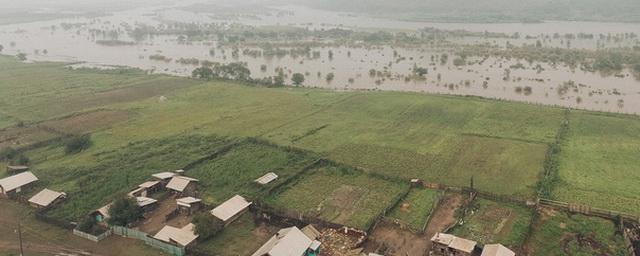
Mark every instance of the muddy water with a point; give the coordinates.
(350, 66)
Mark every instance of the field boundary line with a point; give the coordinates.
(503, 138)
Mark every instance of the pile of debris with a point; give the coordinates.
(337, 242)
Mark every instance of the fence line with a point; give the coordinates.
(588, 210)
(91, 237)
(142, 236)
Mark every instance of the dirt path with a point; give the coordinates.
(443, 216)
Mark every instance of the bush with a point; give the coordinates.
(297, 79)
(77, 144)
(124, 211)
(86, 225)
(207, 225)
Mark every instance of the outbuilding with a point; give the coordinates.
(13, 185)
(182, 185)
(230, 210)
(289, 242)
(497, 250)
(184, 236)
(188, 205)
(267, 178)
(46, 198)
(15, 169)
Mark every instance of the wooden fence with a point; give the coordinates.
(142, 236)
(588, 210)
(91, 237)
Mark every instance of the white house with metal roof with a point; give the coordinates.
(12, 185)
(230, 210)
(46, 198)
(289, 242)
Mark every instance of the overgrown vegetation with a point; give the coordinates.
(415, 209)
(77, 144)
(207, 226)
(124, 211)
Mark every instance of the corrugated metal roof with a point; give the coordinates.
(16, 181)
(164, 175)
(462, 244)
(230, 208)
(148, 184)
(497, 250)
(287, 242)
(182, 236)
(144, 201)
(179, 183)
(46, 197)
(187, 201)
(442, 238)
(267, 178)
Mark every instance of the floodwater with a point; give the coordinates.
(350, 66)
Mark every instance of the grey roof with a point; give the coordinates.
(179, 183)
(497, 250)
(182, 236)
(462, 244)
(104, 210)
(442, 238)
(46, 197)
(230, 208)
(287, 242)
(144, 201)
(16, 181)
(148, 184)
(267, 178)
(311, 232)
(187, 201)
(163, 175)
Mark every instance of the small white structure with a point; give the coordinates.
(230, 210)
(13, 184)
(288, 242)
(267, 178)
(145, 201)
(149, 184)
(46, 198)
(496, 250)
(163, 175)
(180, 183)
(181, 236)
(188, 201)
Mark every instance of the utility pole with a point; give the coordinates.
(20, 238)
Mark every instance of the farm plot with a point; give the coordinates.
(340, 195)
(493, 222)
(557, 233)
(235, 171)
(415, 208)
(599, 162)
(87, 122)
(94, 182)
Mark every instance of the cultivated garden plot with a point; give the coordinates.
(489, 222)
(340, 195)
(243, 237)
(557, 233)
(416, 208)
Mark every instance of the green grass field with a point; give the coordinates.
(415, 208)
(561, 234)
(243, 237)
(493, 222)
(599, 163)
(235, 171)
(339, 195)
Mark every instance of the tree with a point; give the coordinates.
(87, 223)
(207, 226)
(77, 144)
(330, 77)
(202, 73)
(21, 56)
(123, 211)
(297, 79)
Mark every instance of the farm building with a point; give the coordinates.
(46, 198)
(13, 185)
(189, 204)
(102, 215)
(163, 177)
(183, 185)
(267, 178)
(311, 232)
(496, 250)
(145, 188)
(231, 209)
(289, 242)
(450, 245)
(180, 236)
(15, 169)
(146, 203)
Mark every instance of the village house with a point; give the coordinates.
(182, 185)
(289, 242)
(46, 198)
(184, 236)
(450, 245)
(496, 250)
(188, 205)
(13, 185)
(267, 178)
(230, 210)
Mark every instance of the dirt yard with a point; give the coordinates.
(337, 243)
(156, 219)
(390, 239)
(40, 238)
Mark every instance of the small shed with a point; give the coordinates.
(441, 243)
(462, 247)
(15, 169)
(102, 215)
(311, 232)
(184, 236)
(145, 188)
(146, 203)
(188, 205)
(163, 177)
(289, 242)
(182, 185)
(230, 210)
(496, 250)
(46, 198)
(267, 178)
(450, 245)
(13, 185)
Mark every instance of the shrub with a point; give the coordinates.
(297, 79)
(86, 225)
(77, 144)
(207, 226)
(124, 211)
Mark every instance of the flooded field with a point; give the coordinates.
(111, 42)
